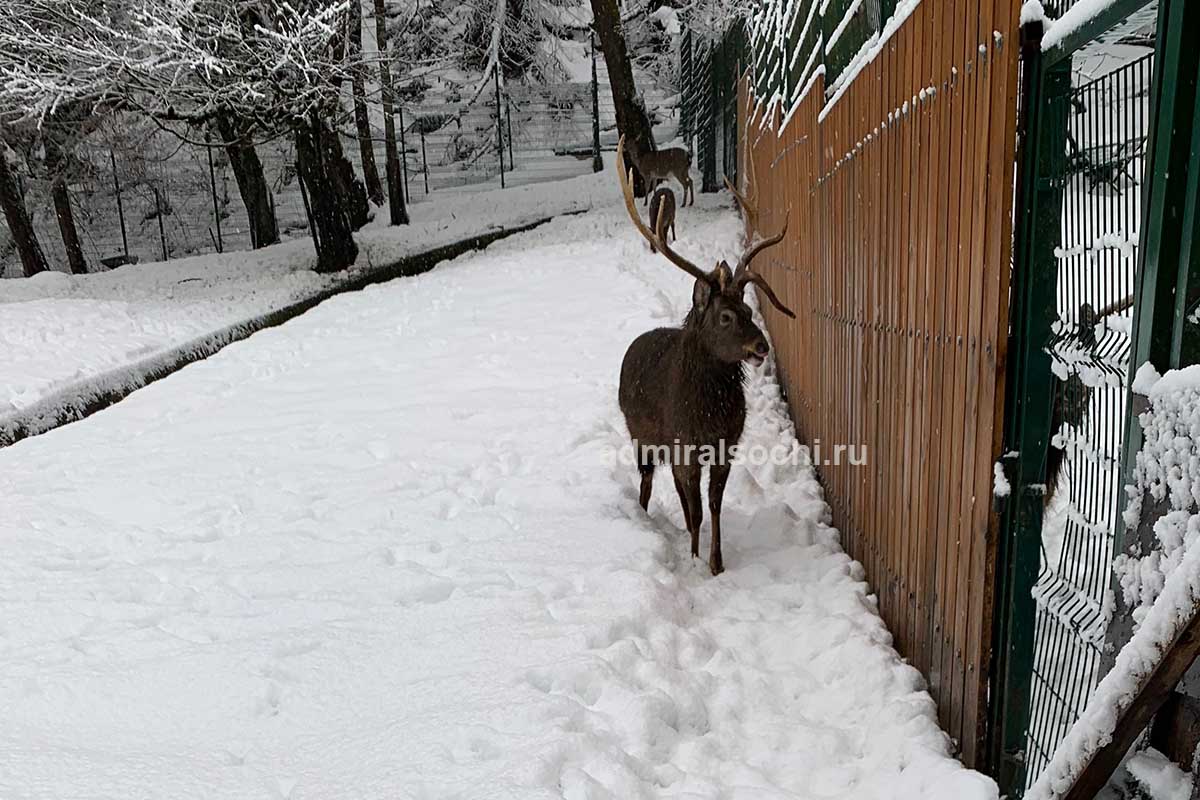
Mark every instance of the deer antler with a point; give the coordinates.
(748, 200)
(655, 238)
(743, 274)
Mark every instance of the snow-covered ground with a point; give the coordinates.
(384, 550)
(58, 331)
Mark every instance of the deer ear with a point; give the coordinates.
(701, 294)
(724, 275)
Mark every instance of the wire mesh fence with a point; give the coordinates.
(140, 194)
(1099, 173)
(708, 118)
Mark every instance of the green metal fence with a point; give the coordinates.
(783, 46)
(1100, 176)
(1094, 107)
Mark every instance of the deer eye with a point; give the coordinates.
(727, 318)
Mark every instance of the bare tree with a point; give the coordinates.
(399, 214)
(332, 227)
(33, 260)
(278, 65)
(65, 126)
(237, 137)
(632, 121)
(362, 121)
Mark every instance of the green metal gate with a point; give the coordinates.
(1092, 166)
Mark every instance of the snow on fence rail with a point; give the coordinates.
(897, 265)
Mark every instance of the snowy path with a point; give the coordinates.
(383, 551)
(60, 332)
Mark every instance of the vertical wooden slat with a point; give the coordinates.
(998, 234)
(910, 44)
(947, 495)
(969, 284)
(960, 98)
(915, 417)
(868, 332)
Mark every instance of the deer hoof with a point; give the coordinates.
(716, 566)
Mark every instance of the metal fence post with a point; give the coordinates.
(424, 161)
(708, 138)
(403, 153)
(499, 126)
(212, 183)
(1029, 393)
(685, 87)
(597, 161)
(512, 163)
(162, 232)
(1169, 203)
(120, 204)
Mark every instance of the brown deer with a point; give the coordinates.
(658, 165)
(663, 203)
(681, 388)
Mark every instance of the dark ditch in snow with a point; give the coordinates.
(85, 398)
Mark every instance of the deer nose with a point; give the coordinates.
(761, 348)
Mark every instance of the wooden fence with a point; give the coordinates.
(897, 263)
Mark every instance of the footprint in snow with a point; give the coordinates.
(425, 590)
(285, 787)
(293, 649)
(268, 704)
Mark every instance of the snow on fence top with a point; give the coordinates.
(793, 42)
(1056, 31)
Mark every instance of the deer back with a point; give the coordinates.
(662, 163)
(662, 202)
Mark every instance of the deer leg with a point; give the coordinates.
(717, 476)
(689, 477)
(646, 469)
(683, 501)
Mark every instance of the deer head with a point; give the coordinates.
(719, 311)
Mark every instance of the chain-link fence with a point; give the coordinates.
(140, 194)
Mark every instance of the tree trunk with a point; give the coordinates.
(362, 122)
(56, 165)
(343, 180)
(632, 121)
(252, 184)
(33, 260)
(332, 234)
(399, 214)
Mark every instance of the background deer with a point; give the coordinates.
(663, 203)
(682, 387)
(656, 166)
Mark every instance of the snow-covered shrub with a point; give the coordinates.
(1168, 468)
